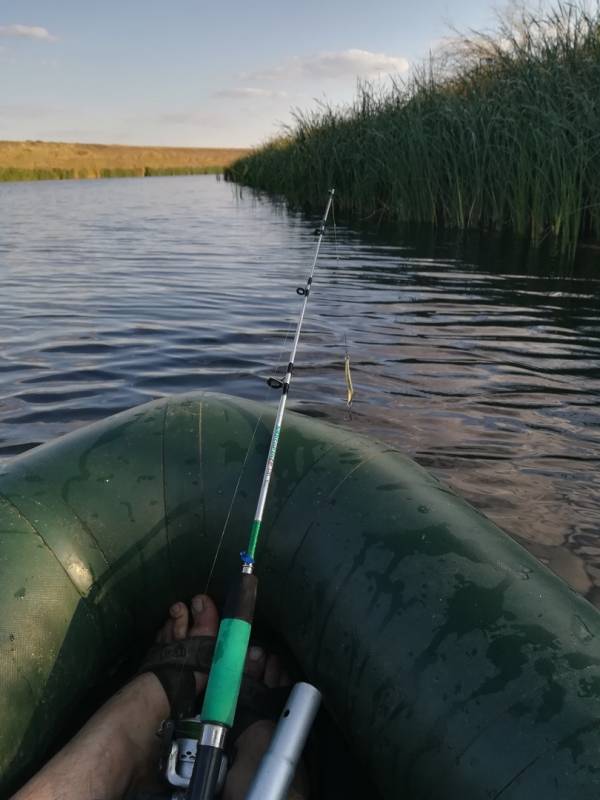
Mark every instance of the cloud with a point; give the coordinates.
(245, 93)
(27, 32)
(351, 63)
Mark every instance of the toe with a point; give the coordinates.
(180, 616)
(272, 671)
(205, 617)
(255, 662)
(205, 622)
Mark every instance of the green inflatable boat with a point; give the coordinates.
(456, 664)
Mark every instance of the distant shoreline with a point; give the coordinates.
(36, 160)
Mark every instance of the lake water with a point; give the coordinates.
(481, 366)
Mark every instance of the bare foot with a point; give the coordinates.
(254, 741)
(203, 620)
(118, 743)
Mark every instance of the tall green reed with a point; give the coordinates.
(500, 133)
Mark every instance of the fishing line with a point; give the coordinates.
(235, 492)
(221, 539)
(276, 383)
(278, 361)
(224, 681)
(233, 499)
(347, 371)
(210, 728)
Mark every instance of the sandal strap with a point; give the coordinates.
(192, 654)
(180, 688)
(174, 665)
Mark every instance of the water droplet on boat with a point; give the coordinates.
(423, 509)
(525, 573)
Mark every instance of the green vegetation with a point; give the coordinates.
(33, 161)
(502, 132)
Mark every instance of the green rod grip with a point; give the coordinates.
(227, 668)
(225, 677)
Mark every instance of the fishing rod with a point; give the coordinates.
(225, 677)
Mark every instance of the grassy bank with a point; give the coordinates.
(25, 161)
(502, 132)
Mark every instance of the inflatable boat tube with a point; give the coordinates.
(456, 664)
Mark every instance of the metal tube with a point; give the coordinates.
(278, 766)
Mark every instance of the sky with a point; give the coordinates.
(192, 73)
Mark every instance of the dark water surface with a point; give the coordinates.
(487, 372)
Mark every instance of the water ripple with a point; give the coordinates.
(117, 292)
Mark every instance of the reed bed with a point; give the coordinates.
(500, 132)
(60, 160)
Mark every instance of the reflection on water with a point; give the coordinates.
(467, 357)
